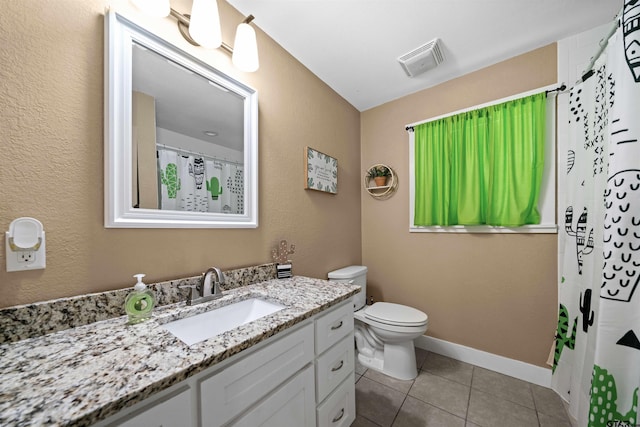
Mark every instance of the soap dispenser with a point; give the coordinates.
(140, 302)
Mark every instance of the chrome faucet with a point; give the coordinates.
(207, 290)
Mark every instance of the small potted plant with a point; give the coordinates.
(379, 174)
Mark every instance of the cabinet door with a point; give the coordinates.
(333, 366)
(339, 409)
(174, 411)
(292, 404)
(227, 393)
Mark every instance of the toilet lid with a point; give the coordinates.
(395, 314)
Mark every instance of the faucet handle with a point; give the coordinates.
(192, 294)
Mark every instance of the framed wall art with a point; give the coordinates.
(320, 171)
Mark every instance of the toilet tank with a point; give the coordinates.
(357, 274)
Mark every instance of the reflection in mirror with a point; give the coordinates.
(187, 138)
(188, 132)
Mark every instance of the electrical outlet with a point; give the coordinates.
(25, 260)
(26, 257)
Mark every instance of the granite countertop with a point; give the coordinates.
(79, 376)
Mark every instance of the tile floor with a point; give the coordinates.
(448, 393)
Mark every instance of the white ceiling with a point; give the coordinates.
(353, 45)
(187, 103)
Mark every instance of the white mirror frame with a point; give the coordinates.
(118, 207)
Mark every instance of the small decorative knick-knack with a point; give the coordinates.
(280, 255)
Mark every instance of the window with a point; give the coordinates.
(486, 169)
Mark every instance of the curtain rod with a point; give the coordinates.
(547, 89)
(559, 89)
(182, 150)
(588, 72)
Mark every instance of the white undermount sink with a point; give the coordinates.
(202, 326)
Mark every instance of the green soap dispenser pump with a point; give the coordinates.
(140, 302)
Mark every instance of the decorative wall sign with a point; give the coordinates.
(320, 171)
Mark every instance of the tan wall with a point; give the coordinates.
(493, 292)
(51, 168)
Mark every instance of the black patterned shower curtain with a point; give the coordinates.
(597, 350)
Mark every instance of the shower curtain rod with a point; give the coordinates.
(182, 150)
(588, 72)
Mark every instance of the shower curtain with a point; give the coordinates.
(232, 198)
(182, 182)
(213, 172)
(169, 182)
(597, 349)
(195, 184)
(187, 188)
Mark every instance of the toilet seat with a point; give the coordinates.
(395, 314)
(392, 325)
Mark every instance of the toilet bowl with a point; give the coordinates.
(384, 332)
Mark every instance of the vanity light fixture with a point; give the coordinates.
(204, 25)
(202, 28)
(245, 55)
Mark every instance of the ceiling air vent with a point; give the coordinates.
(421, 59)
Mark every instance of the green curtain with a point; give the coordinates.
(481, 167)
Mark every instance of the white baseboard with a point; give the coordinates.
(514, 368)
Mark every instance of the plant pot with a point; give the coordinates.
(380, 181)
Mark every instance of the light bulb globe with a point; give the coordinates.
(204, 26)
(245, 49)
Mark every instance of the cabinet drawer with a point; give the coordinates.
(173, 411)
(292, 404)
(228, 392)
(339, 409)
(334, 366)
(333, 326)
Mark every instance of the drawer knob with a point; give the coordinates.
(338, 326)
(338, 417)
(337, 368)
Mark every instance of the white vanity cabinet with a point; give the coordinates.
(229, 392)
(291, 404)
(300, 377)
(171, 410)
(334, 366)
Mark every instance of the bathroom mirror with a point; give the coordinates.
(180, 137)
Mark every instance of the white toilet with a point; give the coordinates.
(384, 332)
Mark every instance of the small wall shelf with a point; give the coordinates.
(380, 191)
